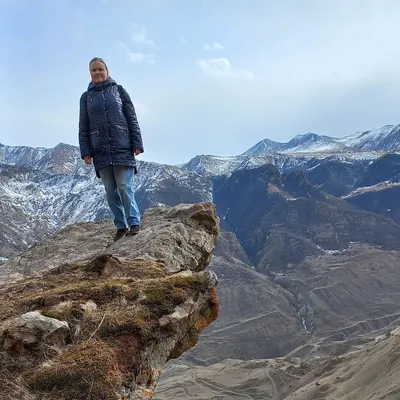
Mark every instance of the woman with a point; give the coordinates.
(109, 133)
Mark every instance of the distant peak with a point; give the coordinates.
(308, 134)
(64, 145)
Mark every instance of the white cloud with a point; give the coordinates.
(136, 57)
(183, 41)
(221, 68)
(214, 46)
(139, 36)
(140, 57)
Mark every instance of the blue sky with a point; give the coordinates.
(206, 76)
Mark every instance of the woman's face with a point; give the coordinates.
(98, 72)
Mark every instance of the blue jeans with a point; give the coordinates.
(118, 182)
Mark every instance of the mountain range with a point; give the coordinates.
(49, 188)
(307, 257)
(385, 138)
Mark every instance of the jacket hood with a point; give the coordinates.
(100, 86)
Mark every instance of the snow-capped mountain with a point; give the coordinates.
(301, 150)
(214, 165)
(386, 138)
(310, 142)
(285, 162)
(265, 146)
(62, 158)
(44, 189)
(21, 155)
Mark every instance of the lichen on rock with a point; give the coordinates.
(104, 317)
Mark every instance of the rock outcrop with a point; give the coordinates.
(86, 318)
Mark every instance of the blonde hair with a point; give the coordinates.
(100, 60)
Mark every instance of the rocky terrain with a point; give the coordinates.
(41, 192)
(307, 259)
(84, 317)
(370, 372)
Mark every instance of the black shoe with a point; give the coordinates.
(134, 230)
(120, 233)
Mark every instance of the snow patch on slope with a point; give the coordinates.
(373, 188)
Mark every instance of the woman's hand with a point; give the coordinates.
(87, 159)
(136, 152)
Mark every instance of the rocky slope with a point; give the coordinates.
(335, 298)
(280, 220)
(86, 318)
(349, 301)
(370, 372)
(258, 318)
(43, 191)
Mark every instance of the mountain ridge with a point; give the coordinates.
(48, 188)
(305, 267)
(385, 138)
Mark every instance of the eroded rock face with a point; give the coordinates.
(88, 318)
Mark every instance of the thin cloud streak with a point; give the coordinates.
(136, 57)
(220, 68)
(139, 36)
(214, 46)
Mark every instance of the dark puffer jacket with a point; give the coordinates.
(108, 128)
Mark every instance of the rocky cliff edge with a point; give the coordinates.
(83, 317)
